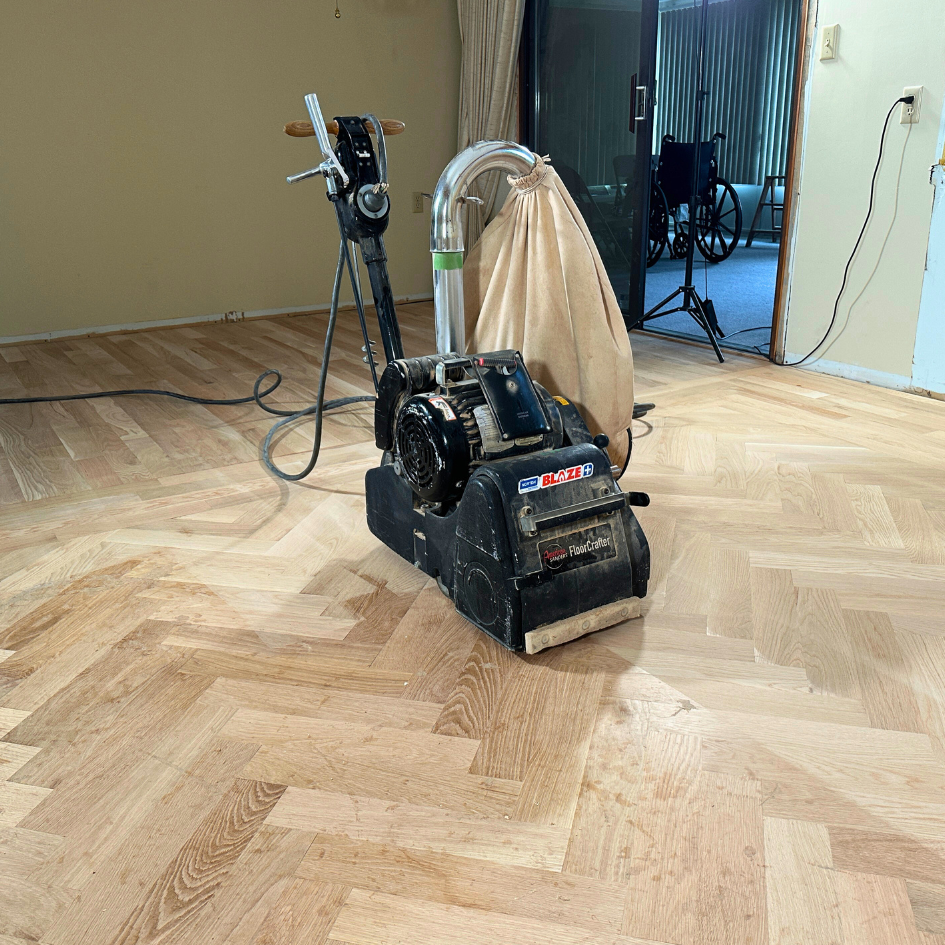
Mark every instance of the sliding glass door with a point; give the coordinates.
(588, 103)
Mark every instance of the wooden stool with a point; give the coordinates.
(768, 200)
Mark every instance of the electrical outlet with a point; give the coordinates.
(910, 113)
(417, 202)
(829, 38)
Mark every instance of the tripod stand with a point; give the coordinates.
(702, 311)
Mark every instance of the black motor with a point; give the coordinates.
(498, 490)
(440, 417)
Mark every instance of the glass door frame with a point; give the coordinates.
(640, 122)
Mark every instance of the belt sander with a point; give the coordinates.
(489, 483)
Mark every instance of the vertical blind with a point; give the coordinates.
(750, 54)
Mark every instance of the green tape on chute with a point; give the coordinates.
(447, 260)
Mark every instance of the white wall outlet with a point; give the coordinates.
(829, 38)
(417, 206)
(910, 113)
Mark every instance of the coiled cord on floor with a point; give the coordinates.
(319, 407)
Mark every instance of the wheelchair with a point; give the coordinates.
(718, 216)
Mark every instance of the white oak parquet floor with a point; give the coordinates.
(227, 714)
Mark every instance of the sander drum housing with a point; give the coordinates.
(498, 491)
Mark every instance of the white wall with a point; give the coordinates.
(883, 47)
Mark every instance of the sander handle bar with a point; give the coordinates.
(304, 129)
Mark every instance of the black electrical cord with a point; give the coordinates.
(907, 100)
(741, 331)
(159, 393)
(255, 397)
(318, 408)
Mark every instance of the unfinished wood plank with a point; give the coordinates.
(28, 910)
(371, 918)
(465, 881)
(339, 705)
(126, 891)
(889, 854)
(470, 706)
(298, 669)
(928, 906)
(17, 800)
(369, 759)
(704, 877)
(23, 851)
(433, 642)
(424, 828)
(304, 914)
(802, 893)
(876, 522)
(875, 910)
(189, 884)
(882, 672)
(249, 891)
(558, 748)
(605, 819)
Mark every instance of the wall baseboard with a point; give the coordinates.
(189, 320)
(854, 372)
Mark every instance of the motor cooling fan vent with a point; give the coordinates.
(416, 449)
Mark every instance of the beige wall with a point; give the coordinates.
(142, 161)
(883, 47)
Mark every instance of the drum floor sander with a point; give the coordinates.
(487, 482)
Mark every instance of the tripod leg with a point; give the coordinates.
(704, 323)
(657, 307)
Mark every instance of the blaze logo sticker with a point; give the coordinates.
(555, 478)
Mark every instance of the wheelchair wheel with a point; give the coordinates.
(659, 225)
(680, 245)
(719, 222)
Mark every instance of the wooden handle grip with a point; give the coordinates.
(304, 129)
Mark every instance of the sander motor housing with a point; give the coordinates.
(499, 491)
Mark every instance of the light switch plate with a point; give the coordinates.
(910, 113)
(829, 38)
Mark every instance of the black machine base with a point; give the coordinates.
(533, 540)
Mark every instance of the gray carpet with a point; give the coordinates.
(742, 288)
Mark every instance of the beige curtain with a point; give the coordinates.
(535, 282)
(490, 32)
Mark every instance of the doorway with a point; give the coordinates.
(751, 58)
(609, 82)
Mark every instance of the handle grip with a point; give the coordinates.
(305, 175)
(304, 129)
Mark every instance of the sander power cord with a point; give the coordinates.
(319, 408)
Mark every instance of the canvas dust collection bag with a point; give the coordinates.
(535, 282)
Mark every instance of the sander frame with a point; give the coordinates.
(487, 483)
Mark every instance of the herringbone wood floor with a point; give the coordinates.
(231, 716)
